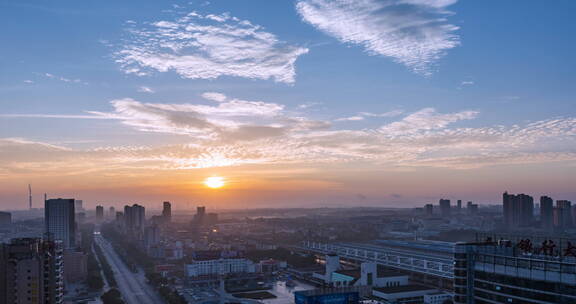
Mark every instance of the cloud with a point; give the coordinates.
(229, 119)
(466, 83)
(64, 79)
(423, 120)
(308, 105)
(62, 116)
(145, 89)
(28, 81)
(218, 97)
(207, 47)
(415, 33)
(350, 118)
(225, 131)
(363, 115)
(392, 113)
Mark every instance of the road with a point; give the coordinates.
(133, 286)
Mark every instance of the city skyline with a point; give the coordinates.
(397, 104)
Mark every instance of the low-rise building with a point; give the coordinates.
(404, 294)
(222, 266)
(75, 266)
(437, 298)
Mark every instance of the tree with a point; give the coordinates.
(94, 281)
(113, 296)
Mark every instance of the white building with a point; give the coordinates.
(437, 298)
(403, 294)
(220, 267)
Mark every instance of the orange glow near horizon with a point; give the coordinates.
(215, 182)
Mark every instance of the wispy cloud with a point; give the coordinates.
(206, 47)
(392, 113)
(63, 116)
(225, 131)
(350, 118)
(415, 33)
(363, 115)
(230, 118)
(145, 89)
(425, 119)
(64, 79)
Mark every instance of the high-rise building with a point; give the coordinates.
(547, 213)
(459, 206)
(99, 212)
(524, 269)
(429, 210)
(200, 215)
(5, 219)
(120, 222)
(564, 214)
(200, 211)
(29, 196)
(59, 220)
(518, 210)
(134, 220)
(473, 209)
(167, 212)
(445, 207)
(112, 212)
(152, 236)
(78, 205)
(31, 271)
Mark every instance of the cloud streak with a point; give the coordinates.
(229, 119)
(415, 33)
(225, 131)
(209, 46)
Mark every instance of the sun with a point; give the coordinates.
(214, 182)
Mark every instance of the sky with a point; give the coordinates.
(294, 103)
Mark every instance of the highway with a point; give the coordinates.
(133, 286)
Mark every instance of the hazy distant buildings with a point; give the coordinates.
(201, 218)
(546, 213)
(78, 205)
(151, 236)
(120, 221)
(472, 209)
(5, 219)
(31, 271)
(429, 210)
(59, 219)
(112, 212)
(518, 210)
(99, 212)
(445, 207)
(200, 213)
(459, 206)
(167, 212)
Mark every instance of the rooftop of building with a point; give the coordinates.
(386, 273)
(325, 291)
(354, 273)
(403, 288)
(430, 248)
